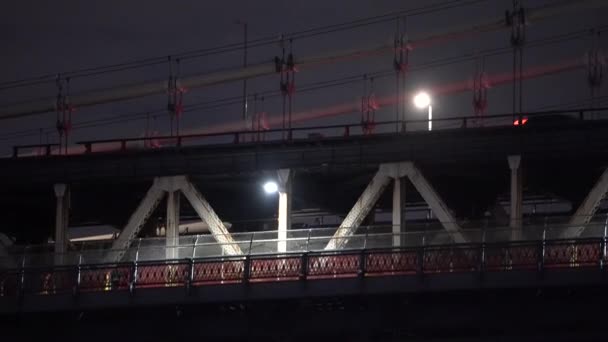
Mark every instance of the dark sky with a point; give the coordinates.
(46, 37)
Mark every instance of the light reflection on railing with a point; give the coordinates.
(536, 256)
(300, 241)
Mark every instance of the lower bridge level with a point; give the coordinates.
(516, 264)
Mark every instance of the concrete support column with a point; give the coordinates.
(172, 236)
(516, 214)
(285, 177)
(398, 205)
(62, 194)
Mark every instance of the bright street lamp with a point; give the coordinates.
(271, 187)
(423, 100)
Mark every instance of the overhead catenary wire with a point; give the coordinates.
(571, 104)
(227, 101)
(232, 47)
(266, 41)
(346, 108)
(143, 89)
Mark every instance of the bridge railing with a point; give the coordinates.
(345, 130)
(540, 255)
(313, 133)
(306, 240)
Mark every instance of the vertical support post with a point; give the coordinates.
(285, 176)
(604, 243)
(515, 221)
(172, 235)
(398, 205)
(78, 276)
(62, 195)
(430, 118)
(247, 268)
(190, 279)
(362, 259)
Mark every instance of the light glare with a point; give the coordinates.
(422, 100)
(271, 187)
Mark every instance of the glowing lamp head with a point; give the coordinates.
(422, 100)
(271, 187)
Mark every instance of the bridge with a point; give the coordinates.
(484, 226)
(540, 278)
(567, 140)
(372, 263)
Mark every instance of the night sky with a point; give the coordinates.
(42, 38)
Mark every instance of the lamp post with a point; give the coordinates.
(423, 100)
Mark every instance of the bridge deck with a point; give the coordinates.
(517, 264)
(540, 141)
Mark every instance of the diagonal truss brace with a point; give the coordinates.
(432, 198)
(148, 204)
(136, 221)
(208, 215)
(374, 190)
(360, 210)
(588, 207)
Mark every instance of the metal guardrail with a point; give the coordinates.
(418, 261)
(42, 149)
(304, 241)
(312, 133)
(347, 130)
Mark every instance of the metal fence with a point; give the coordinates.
(582, 253)
(303, 241)
(545, 118)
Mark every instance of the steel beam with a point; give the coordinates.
(62, 196)
(398, 210)
(172, 226)
(207, 214)
(432, 198)
(360, 210)
(588, 207)
(516, 201)
(136, 221)
(423, 40)
(284, 217)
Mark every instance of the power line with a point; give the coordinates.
(233, 100)
(570, 104)
(259, 42)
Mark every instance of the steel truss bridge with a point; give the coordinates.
(350, 262)
(378, 268)
(235, 265)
